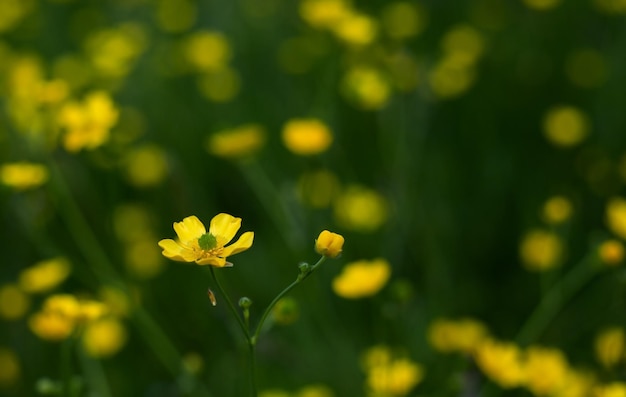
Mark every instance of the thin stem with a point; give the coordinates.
(556, 297)
(96, 378)
(67, 367)
(230, 304)
(301, 277)
(253, 388)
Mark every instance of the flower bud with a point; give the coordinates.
(245, 303)
(329, 244)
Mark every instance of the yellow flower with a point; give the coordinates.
(546, 370)
(541, 250)
(611, 252)
(196, 245)
(390, 376)
(566, 126)
(306, 137)
(329, 244)
(557, 210)
(614, 389)
(501, 362)
(104, 338)
(366, 87)
(609, 346)
(241, 141)
(44, 275)
(362, 278)
(361, 209)
(23, 175)
(14, 303)
(462, 335)
(9, 367)
(616, 216)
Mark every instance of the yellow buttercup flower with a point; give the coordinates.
(196, 245)
(614, 389)
(463, 335)
(23, 175)
(104, 337)
(541, 250)
(362, 278)
(545, 370)
(501, 362)
(44, 275)
(611, 252)
(329, 244)
(307, 137)
(616, 216)
(609, 346)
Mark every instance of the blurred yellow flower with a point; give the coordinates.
(463, 45)
(390, 376)
(87, 124)
(587, 68)
(546, 370)
(52, 326)
(14, 303)
(403, 19)
(565, 126)
(616, 216)
(9, 367)
(12, 12)
(286, 311)
(557, 209)
(196, 245)
(324, 13)
(366, 87)
(362, 278)
(329, 244)
(611, 252)
(207, 51)
(44, 276)
(614, 389)
(356, 29)
(542, 5)
(242, 141)
(306, 137)
(23, 175)
(361, 209)
(175, 16)
(463, 335)
(501, 362)
(193, 362)
(609, 346)
(104, 337)
(220, 85)
(449, 79)
(318, 188)
(315, 391)
(146, 165)
(114, 51)
(541, 250)
(116, 300)
(143, 259)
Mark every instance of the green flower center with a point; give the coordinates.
(207, 241)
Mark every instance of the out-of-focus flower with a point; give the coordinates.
(501, 362)
(542, 5)
(577, 384)
(193, 362)
(44, 275)
(546, 370)
(87, 124)
(366, 87)
(587, 68)
(541, 250)
(609, 346)
(12, 12)
(220, 85)
(362, 278)
(286, 311)
(23, 175)
(329, 244)
(143, 258)
(318, 188)
(104, 337)
(403, 19)
(14, 303)
(463, 45)
(449, 79)
(557, 209)
(175, 16)
(274, 393)
(113, 51)
(388, 375)
(324, 13)
(361, 209)
(356, 29)
(463, 335)
(239, 142)
(146, 166)
(116, 300)
(196, 245)
(616, 216)
(613, 389)
(10, 369)
(207, 50)
(306, 137)
(611, 252)
(315, 391)
(565, 126)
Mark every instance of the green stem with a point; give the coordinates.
(230, 304)
(253, 388)
(94, 374)
(67, 367)
(556, 297)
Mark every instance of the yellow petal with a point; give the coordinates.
(244, 242)
(224, 227)
(174, 251)
(213, 261)
(189, 229)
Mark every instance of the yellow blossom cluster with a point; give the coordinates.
(236, 143)
(23, 175)
(541, 250)
(388, 374)
(462, 335)
(362, 278)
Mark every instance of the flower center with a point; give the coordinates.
(207, 242)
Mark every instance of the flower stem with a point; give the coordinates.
(230, 304)
(556, 297)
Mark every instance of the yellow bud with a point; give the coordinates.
(329, 244)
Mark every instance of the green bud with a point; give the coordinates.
(207, 241)
(304, 267)
(245, 303)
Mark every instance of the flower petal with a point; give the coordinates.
(244, 242)
(189, 229)
(174, 251)
(213, 261)
(224, 227)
